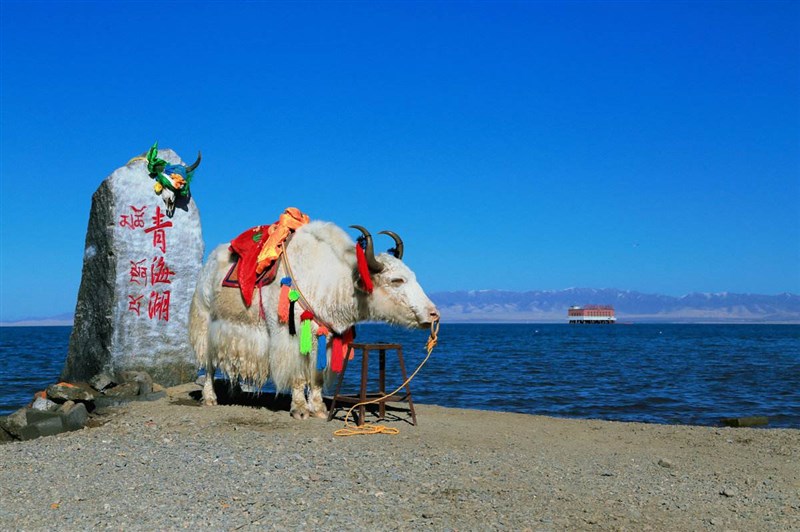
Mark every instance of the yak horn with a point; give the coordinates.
(397, 251)
(369, 252)
(195, 164)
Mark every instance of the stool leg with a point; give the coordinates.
(408, 385)
(382, 382)
(362, 410)
(338, 388)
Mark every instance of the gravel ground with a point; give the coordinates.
(164, 465)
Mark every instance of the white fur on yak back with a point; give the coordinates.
(228, 335)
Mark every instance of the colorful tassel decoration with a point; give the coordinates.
(306, 338)
(347, 339)
(294, 295)
(363, 268)
(283, 300)
(337, 354)
(322, 355)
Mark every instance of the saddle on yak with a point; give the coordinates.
(257, 252)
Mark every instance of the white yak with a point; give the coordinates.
(226, 334)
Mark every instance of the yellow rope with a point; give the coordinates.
(369, 428)
(138, 158)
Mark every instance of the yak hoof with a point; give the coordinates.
(322, 414)
(299, 413)
(209, 401)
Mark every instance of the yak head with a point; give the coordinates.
(396, 297)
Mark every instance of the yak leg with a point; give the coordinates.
(299, 404)
(209, 397)
(315, 398)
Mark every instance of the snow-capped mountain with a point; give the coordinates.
(549, 305)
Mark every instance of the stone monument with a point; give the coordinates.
(143, 253)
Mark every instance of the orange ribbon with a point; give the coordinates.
(290, 220)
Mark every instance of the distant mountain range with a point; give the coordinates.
(60, 319)
(551, 306)
(496, 306)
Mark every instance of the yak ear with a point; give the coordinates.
(359, 284)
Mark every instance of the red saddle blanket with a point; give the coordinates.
(267, 277)
(248, 272)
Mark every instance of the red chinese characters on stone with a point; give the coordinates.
(160, 272)
(158, 307)
(134, 303)
(133, 220)
(159, 236)
(138, 272)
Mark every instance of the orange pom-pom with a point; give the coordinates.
(283, 304)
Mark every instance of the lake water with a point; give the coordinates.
(687, 374)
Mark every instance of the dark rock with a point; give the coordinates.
(750, 421)
(64, 391)
(101, 381)
(5, 436)
(15, 423)
(29, 432)
(34, 416)
(128, 389)
(45, 423)
(139, 273)
(75, 417)
(153, 396)
(142, 378)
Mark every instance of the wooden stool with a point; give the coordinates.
(380, 396)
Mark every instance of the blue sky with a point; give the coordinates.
(650, 146)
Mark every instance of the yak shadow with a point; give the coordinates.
(232, 394)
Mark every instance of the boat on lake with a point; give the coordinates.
(591, 314)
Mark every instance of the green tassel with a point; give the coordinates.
(306, 338)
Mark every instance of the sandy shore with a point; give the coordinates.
(164, 465)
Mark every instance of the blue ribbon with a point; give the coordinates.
(322, 359)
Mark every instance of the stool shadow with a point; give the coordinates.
(393, 414)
